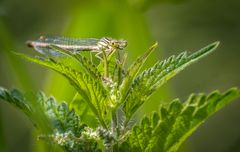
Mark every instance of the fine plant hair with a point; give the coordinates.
(101, 116)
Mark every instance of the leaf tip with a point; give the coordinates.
(155, 44)
(151, 49)
(18, 54)
(214, 45)
(235, 89)
(15, 53)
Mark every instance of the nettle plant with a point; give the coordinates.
(101, 116)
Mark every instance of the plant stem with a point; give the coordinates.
(115, 129)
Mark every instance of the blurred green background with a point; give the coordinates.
(177, 25)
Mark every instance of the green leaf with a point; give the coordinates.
(61, 117)
(89, 66)
(151, 79)
(67, 126)
(82, 109)
(33, 106)
(51, 117)
(15, 98)
(166, 131)
(133, 71)
(90, 89)
(27, 103)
